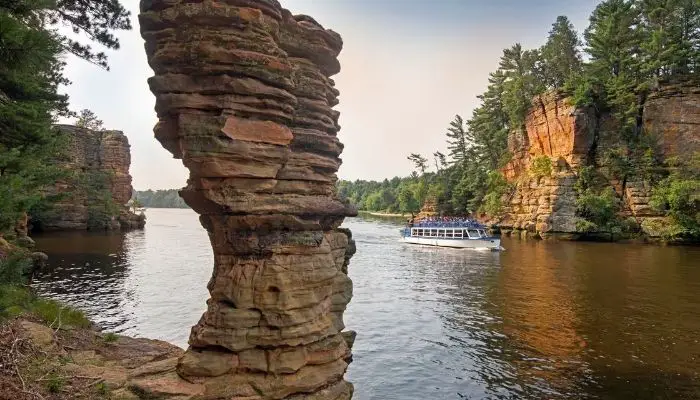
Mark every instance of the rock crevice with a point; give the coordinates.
(244, 97)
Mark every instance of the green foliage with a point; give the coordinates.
(16, 300)
(88, 120)
(102, 208)
(678, 197)
(597, 206)
(541, 166)
(14, 267)
(110, 337)
(55, 383)
(630, 47)
(598, 211)
(497, 187)
(102, 389)
(561, 57)
(31, 66)
(160, 199)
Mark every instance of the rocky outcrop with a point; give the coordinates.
(70, 362)
(672, 115)
(97, 163)
(247, 106)
(571, 138)
(554, 128)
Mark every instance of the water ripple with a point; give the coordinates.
(538, 321)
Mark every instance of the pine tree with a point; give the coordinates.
(420, 162)
(457, 141)
(31, 68)
(561, 55)
(612, 39)
(519, 67)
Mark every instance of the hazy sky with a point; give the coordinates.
(408, 67)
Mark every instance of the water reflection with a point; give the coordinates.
(540, 320)
(86, 267)
(149, 283)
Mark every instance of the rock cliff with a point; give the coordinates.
(97, 163)
(244, 98)
(571, 138)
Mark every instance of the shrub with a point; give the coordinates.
(55, 383)
(110, 337)
(497, 187)
(678, 197)
(541, 166)
(14, 267)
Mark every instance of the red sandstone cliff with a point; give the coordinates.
(91, 155)
(574, 137)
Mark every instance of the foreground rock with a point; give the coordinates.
(98, 164)
(38, 361)
(248, 106)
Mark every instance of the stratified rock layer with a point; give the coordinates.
(573, 137)
(244, 98)
(92, 155)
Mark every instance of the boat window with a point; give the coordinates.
(473, 233)
(482, 233)
(441, 233)
(449, 233)
(459, 233)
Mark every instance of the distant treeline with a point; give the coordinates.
(159, 199)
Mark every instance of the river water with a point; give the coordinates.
(541, 320)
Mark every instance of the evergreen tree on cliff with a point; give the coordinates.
(613, 41)
(561, 55)
(30, 74)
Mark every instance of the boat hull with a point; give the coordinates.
(483, 243)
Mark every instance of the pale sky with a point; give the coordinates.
(408, 67)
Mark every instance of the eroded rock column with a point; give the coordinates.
(244, 98)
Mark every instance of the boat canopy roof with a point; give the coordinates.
(470, 224)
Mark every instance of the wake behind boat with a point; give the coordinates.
(459, 233)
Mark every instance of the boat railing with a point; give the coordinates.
(458, 224)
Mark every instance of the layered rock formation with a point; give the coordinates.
(97, 161)
(574, 137)
(244, 98)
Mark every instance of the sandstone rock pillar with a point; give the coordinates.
(244, 98)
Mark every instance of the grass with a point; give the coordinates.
(102, 389)
(18, 300)
(55, 383)
(110, 337)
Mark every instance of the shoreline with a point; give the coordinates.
(382, 214)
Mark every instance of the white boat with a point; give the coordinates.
(468, 235)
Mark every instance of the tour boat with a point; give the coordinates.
(463, 234)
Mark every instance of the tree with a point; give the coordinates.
(96, 19)
(457, 140)
(420, 162)
(612, 38)
(30, 74)
(88, 120)
(561, 55)
(519, 67)
(671, 35)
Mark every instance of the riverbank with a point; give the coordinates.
(383, 214)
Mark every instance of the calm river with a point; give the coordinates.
(538, 321)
